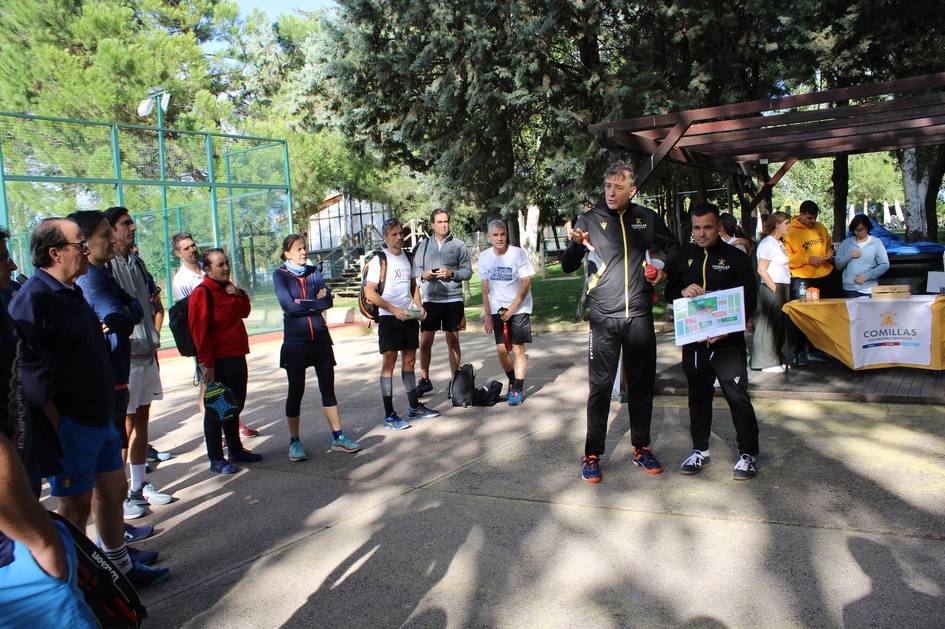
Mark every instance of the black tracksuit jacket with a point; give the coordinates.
(619, 289)
(718, 267)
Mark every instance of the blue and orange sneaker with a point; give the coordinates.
(514, 398)
(642, 457)
(590, 469)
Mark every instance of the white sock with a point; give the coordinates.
(137, 476)
(120, 558)
(704, 453)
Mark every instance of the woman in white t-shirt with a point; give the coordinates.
(768, 346)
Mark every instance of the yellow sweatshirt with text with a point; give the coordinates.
(801, 243)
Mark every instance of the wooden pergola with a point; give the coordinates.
(730, 139)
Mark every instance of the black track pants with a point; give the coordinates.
(638, 341)
(702, 366)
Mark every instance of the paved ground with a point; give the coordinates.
(479, 518)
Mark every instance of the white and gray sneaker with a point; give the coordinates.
(693, 465)
(148, 495)
(132, 510)
(744, 468)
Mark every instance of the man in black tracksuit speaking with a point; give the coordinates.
(709, 264)
(621, 296)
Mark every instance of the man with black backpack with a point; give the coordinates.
(390, 285)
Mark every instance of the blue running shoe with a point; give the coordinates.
(394, 422)
(515, 398)
(296, 453)
(590, 469)
(424, 386)
(422, 412)
(745, 468)
(142, 576)
(220, 401)
(222, 466)
(147, 557)
(137, 533)
(693, 465)
(642, 457)
(343, 444)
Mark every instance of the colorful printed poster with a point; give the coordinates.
(713, 314)
(891, 331)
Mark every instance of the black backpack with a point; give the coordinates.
(369, 310)
(463, 386)
(108, 593)
(180, 326)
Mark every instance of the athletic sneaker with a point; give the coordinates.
(744, 468)
(775, 369)
(142, 576)
(590, 469)
(693, 465)
(245, 456)
(132, 510)
(514, 398)
(147, 557)
(343, 444)
(394, 422)
(246, 431)
(137, 533)
(817, 356)
(222, 466)
(421, 412)
(154, 455)
(148, 495)
(642, 457)
(296, 453)
(423, 386)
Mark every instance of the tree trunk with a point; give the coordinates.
(528, 232)
(841, 190)
(915, 182)
(511, 223)
(936, 175)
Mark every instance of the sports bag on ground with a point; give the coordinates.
(488, 394)
(180, 327)
(463, 386)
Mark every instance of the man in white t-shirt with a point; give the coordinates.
(398, 326)
(190, 274)
(506, 274)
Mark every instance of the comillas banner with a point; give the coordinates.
(897, 331)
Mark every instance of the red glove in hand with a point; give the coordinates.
(650, 272)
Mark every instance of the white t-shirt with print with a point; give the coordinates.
(505, 274)
(397, 281)
(185, 281)
(772, 249)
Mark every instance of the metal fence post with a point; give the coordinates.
(288, 183)
(167, 237)
(229, 200)
(214, 217)
(4, 215)
(116, 162)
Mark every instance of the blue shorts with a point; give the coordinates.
(31, 598)
(86, 451)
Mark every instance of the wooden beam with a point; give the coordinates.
(771, 183)
(912, 84)
(812, 153)
(665, 147)
(633, 143)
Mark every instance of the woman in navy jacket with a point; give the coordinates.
(303, 296)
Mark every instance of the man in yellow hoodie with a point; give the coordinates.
(810, 257)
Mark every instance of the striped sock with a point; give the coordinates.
(120, 558)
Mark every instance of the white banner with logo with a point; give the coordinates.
(891, 331)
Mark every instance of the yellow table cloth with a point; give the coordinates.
(826, 323)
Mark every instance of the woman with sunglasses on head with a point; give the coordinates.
(303, 295)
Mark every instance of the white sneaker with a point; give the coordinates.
(148, 495)
(775, 369)
(132, 510)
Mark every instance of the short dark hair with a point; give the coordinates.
(4, 234)
(179, 237)
(809, 207)
(47, 235)
(861, 219)
(728, 223)
(701, 209)
(623, 167)
(205, 256)
(113, 214)
(87, 220)
(389, 224)
(288, 241)
(436, 212)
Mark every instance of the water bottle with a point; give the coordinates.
(801, 290)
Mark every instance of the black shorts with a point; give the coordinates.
(316, 353)
(446, 317)
(520, 329)
(394, 335)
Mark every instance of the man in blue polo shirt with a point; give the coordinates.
(65, 346)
